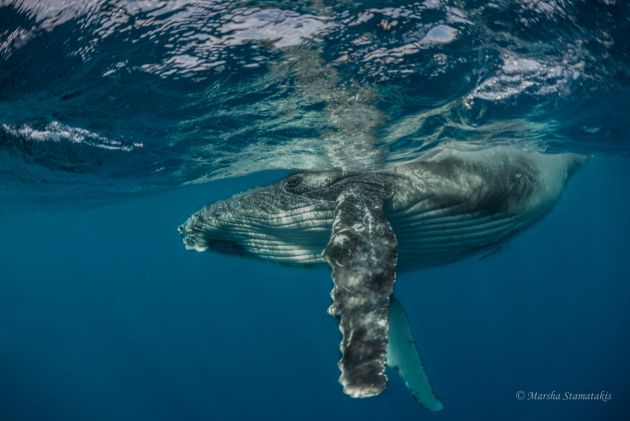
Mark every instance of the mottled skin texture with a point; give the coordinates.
(362, 254)
(444, 206)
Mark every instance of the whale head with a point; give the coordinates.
(288, 221)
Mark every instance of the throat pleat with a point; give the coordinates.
(435, 236)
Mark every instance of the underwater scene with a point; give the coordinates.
(307, 210)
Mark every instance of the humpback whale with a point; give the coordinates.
(448, 204)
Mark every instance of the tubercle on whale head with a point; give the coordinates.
(270, 221)
(205, 230)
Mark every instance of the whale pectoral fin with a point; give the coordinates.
(362, 254)
(402, 355)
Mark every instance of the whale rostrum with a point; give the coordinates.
(450, 203)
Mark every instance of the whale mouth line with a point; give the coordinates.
(203, 242)
(225, 246)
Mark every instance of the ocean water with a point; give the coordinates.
(119, 119)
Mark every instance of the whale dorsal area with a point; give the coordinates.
(362, 254)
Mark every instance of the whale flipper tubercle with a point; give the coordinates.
(402, 355)
(362, 254)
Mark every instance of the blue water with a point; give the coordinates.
(119, 119)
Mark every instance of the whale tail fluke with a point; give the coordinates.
(402, 355)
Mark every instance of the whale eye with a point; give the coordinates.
(293, 181)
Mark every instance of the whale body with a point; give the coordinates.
(442, 207)
(448, 204)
